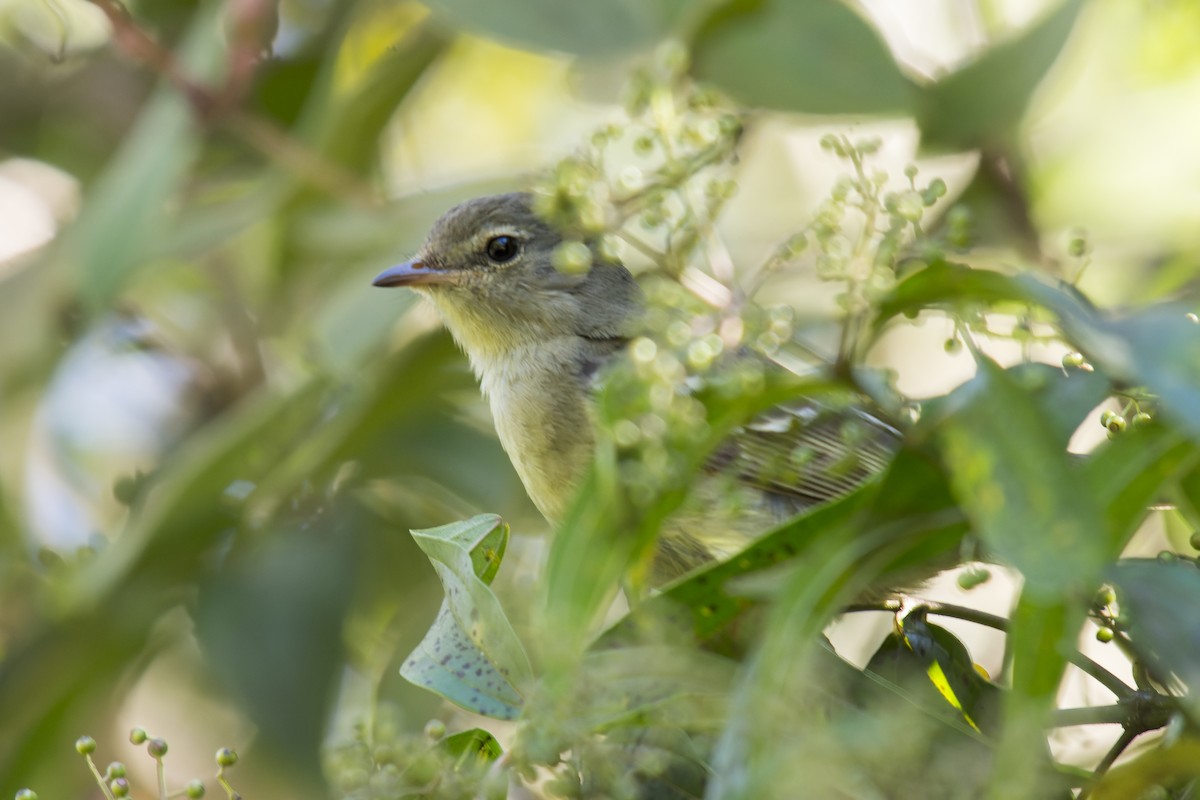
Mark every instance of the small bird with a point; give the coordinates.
(539, 338)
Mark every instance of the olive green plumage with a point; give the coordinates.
(536, 338)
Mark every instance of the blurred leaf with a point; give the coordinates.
(910, 500)
(1147, 774)
(1064, 398)
(983, 102)
(778, 54)
(271, 629)
(130, 200)
(1155, 594)
(471, 655)
(1158, 347)
(1041, 633)
(586, 29)
(1000, 207)
(662, 762)
(947, 285)
(603, 534)
(352, 125)
(1134, 471)
(1015, 484)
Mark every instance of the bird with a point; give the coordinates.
(539, 339)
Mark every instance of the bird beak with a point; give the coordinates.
(413, 273)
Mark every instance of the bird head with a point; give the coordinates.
(488, 266)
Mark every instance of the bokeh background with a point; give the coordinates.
(215, 434)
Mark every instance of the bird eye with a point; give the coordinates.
(502, 248)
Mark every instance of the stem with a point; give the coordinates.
(103, 784)
(162, 778)
(1090, 715)
(1114, 752)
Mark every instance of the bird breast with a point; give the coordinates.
(543, 416)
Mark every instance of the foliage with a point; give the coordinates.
(234, 162)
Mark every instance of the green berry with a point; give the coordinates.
(952, 345)
(1167, 557)
(1072, 360)
(195, 788)
(971, 578)
(138, 736)
(116, 770)
(1194, 540)
(1105, 597)
(226, 757)
(1116, 423)
(85, 745)
(435, 729)
(26, 794)
(119, 787)
(1141, 418)
(910, 171)
(1104, 635)
(157, 748)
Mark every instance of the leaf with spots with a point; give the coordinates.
(471, 656)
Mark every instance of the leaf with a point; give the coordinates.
(947, 285)
(586, 29)
(983, 102)
(129, 202)
(1015, 483)
(471, 656)
(910, 503)
(1157, 347)
(271, 627)
(1156, 594)
(1041, 633)
(475, 746)
(1136, 470)
(778, 54)
(930, 661)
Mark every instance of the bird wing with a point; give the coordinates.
(802, 454)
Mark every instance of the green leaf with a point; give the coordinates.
(474, 747)
(129, 202)
(471, 656)
(1155, 595)
(1041, 634)
(947, 285)
(937, 670)
(778, 54)
(1015, 483)
(1158, 347)
(1136, 470)
(910, 503)
(586, 29)
(984, 101)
